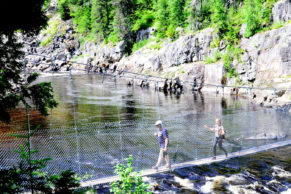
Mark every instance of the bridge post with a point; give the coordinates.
(51, 119)
(103, 74)
(216, 92)
(75, 123)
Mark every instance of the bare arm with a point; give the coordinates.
(166, 144)
(211, 129)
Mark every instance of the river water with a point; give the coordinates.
(99, 122)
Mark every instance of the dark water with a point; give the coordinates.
(113, 121)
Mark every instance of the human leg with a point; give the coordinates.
(159, 159)
(221, 147)
(214, 147)
(166, 157)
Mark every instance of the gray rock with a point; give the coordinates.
(145, 34)
(282, 11)
(267, 55)
(242, 30)
(61, 56)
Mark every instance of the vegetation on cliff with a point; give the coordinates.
(114, 20)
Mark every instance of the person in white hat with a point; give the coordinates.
(163, 140)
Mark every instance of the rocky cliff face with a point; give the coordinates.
(267, 55)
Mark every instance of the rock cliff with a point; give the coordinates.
(265, 62)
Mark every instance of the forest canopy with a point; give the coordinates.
(115, 20)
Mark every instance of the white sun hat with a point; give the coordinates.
(159, 122)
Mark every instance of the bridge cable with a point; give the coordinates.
(75, 121)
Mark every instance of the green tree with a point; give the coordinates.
(122, 24)
(14, 88)
(28, 174)
(177, 17)
(144, 15)
(162, 17)
(197, 14)
(218, 15)
(101, 17)
(82, 16)
(252, 15)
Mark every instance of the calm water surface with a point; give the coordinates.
(97, 125)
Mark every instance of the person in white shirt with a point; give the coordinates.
(219, 136)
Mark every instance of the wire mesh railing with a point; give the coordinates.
(95, 149)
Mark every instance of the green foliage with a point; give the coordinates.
(218, 15)
(216, 57)
(215, 43)
(46, 4)
(101, 15)
(176, 12)
(130, 181)
(140, 44)
(13, 87)
(162, 17)
(257, 15)
(65, 182)
(144, 21)
(233, 24)
(82, 17)
(64, 9)
(232, 53)
(171, 32)
(29, 176)
(155, 46)
(50, 31)
(252, 16)
(46, 41)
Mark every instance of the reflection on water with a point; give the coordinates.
(114, 120)
(96, 102)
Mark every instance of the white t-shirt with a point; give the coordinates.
(216, 130)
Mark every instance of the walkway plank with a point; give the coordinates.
(193, 163)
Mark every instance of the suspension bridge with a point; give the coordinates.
(92, 150)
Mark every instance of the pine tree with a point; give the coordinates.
(218, 15)
(176, 8)
(252, 14)
(13, 87)
(123, 10)
(162, 16)
(100, 17)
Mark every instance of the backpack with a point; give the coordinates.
(220, 133)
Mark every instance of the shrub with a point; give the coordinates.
(64, 10)
(113, 38)
(216, 57)
(156, 46)
(145, 21)
(232, 53)
(138, 45)
(171, 32)
(50, 31)
(130, 181)
(28, 174)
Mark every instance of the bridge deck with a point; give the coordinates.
(193, 163)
